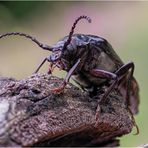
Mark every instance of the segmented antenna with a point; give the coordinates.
(73, 27)
(46, 47)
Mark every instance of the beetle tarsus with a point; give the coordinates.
(59, 89)
(97, 114)
(133, 120)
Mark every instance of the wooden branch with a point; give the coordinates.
(31, 115)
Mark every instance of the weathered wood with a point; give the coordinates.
(31, 115)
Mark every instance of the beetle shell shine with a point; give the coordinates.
(94, 51)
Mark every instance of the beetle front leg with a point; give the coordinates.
(66, 79)
(46, 59)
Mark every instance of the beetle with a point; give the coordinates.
(92, 62)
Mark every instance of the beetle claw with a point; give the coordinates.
(98, 110)
(59, 89)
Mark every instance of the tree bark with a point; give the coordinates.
(31, 115)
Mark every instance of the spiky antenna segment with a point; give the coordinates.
(46, 47)
(73, 27)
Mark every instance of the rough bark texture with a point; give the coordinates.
(31, 115)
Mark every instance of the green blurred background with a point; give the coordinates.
(123, 24)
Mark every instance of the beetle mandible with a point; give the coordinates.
(92, 63)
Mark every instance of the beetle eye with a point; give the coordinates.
(54, 56)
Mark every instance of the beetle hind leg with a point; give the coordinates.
(116, 77)
(106, 75)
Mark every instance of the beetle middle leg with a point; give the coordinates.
(115, 77)
(105, 75)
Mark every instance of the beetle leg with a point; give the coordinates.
(50, 66)
(66, 79)
(124, 69)
(50, 70)
(41, 65)
(106, 75)
(116, 76)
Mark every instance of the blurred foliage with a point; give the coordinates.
(123, 24)
(19, 9)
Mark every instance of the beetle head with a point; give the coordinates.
(55, 55)
(55, 58)
(58, 50)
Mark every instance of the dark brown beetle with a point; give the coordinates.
(92, 63)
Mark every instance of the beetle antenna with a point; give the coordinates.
(46, 47)
(73, 27)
